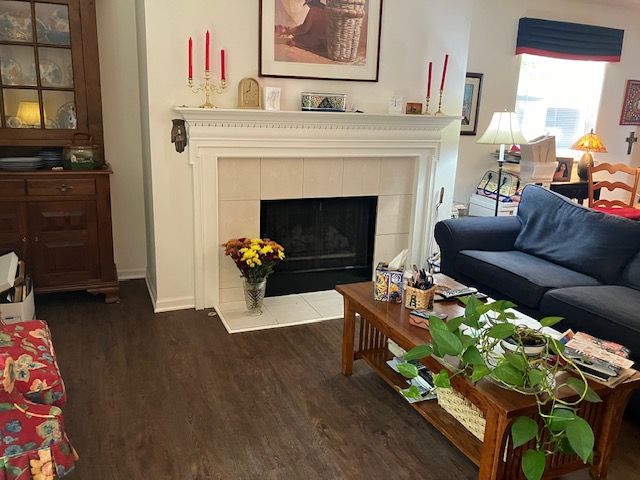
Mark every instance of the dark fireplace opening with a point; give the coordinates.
(327, 241)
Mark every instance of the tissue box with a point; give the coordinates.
(389, 285)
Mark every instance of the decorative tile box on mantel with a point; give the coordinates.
(292, 136)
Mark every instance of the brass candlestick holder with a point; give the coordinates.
(440, 112)
(426, 110)
(209, 88)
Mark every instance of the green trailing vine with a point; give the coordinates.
(471, 346)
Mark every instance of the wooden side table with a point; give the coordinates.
(367, 326)
(574, 190)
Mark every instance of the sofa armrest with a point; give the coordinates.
(475, 233)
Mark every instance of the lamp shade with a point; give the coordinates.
(29, 113)
(503, 129)
(590, 143)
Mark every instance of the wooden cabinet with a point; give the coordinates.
(60, 224)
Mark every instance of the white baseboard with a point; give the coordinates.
(132, 274)
(161, 305)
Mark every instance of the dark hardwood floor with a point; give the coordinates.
(173, 396)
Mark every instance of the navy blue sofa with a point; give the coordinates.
(555, 258)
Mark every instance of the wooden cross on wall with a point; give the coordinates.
(631, 139)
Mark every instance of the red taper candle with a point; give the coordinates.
(429, 79)
(190, 58)
(223, 65)
(207, 51)
(444, 71)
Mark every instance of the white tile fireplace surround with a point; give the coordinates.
(240, 157)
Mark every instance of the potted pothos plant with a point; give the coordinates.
(488, 343)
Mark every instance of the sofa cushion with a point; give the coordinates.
(608, 311)
(523, 277)
(631, 274)
(559, 230)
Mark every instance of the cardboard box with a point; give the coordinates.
(389, 284)
(18, 312)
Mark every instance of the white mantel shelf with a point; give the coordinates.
(202, 117)
(220, 133)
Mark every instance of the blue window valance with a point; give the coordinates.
(571, 41)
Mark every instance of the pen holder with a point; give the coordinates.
(417, 299)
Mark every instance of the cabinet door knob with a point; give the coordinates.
(36, 239)
(64, 188)
(24, 239)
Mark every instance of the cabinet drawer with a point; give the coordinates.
(12, 188)
(78, 186)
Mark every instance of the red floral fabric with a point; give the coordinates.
(37, 374)
(33, 444)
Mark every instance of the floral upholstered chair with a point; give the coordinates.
(33, 443)
(37, 374)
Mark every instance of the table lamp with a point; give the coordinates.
(503, 130)
(588, 143)
(29, 113)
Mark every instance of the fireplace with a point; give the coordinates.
(328, 241)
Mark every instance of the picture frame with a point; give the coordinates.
(471, 103)
(349, 51)
(630, 114)
(564, 170)
(413, 108)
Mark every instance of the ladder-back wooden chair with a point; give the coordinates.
(615, 207)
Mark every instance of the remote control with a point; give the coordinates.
(459, 292)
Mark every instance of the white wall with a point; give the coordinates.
(123, 145)
(491, 51)
(414, 31)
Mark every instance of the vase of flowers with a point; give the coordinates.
(255, 258)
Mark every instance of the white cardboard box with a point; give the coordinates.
(18, 312)
(480, 206)
(8, 269)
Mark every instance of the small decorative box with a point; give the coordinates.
(389, 285)
(324, 102)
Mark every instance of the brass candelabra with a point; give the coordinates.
(209, 88)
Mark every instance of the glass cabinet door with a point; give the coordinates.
(37, 84)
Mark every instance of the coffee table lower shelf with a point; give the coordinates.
(444, 422)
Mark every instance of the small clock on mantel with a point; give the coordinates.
(249, 94)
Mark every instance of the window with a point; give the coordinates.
(558, 97)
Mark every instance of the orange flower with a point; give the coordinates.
(9, 375)
(43, 468)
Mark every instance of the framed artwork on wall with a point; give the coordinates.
(471, 103)
(320, 39)
(631, 105)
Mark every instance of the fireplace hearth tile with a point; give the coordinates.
(394, 214)
(361, 177)
(281, 178)
(322, 177)
(397, 176)
(239, 179)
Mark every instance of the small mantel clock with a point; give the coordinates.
(249, 95)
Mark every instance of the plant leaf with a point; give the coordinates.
(560, 418)
(418, 352)
(408, 370)
(442, 380)
(550, 321)
(555, 346)
(580, 438)
(472, 355)
(411, 392)
(454, 324)
(501, 331)
(447, 342)
(499, 306)
(436, 323)
(533, 464)
(467, 341)
(507, 373)
(535, 377)
(516, 361)
(578, 386)
(479, 372)
(523, 430)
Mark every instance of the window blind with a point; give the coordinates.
(570, 41)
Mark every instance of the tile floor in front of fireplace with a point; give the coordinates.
(283, 311)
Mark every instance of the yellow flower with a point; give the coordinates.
(258, 261)
(255, 247)
(281, 255)
(266, 249)
(256, 240)
(43, 469)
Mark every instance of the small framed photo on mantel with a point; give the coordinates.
(471, 103)
(320, 39)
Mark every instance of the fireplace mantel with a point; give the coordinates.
(220, 133)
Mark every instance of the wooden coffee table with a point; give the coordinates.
(495, 457)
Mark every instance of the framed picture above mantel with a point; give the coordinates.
(320, 39)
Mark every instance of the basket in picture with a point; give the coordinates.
(417, 299)
(344, 29)
(470, 416)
